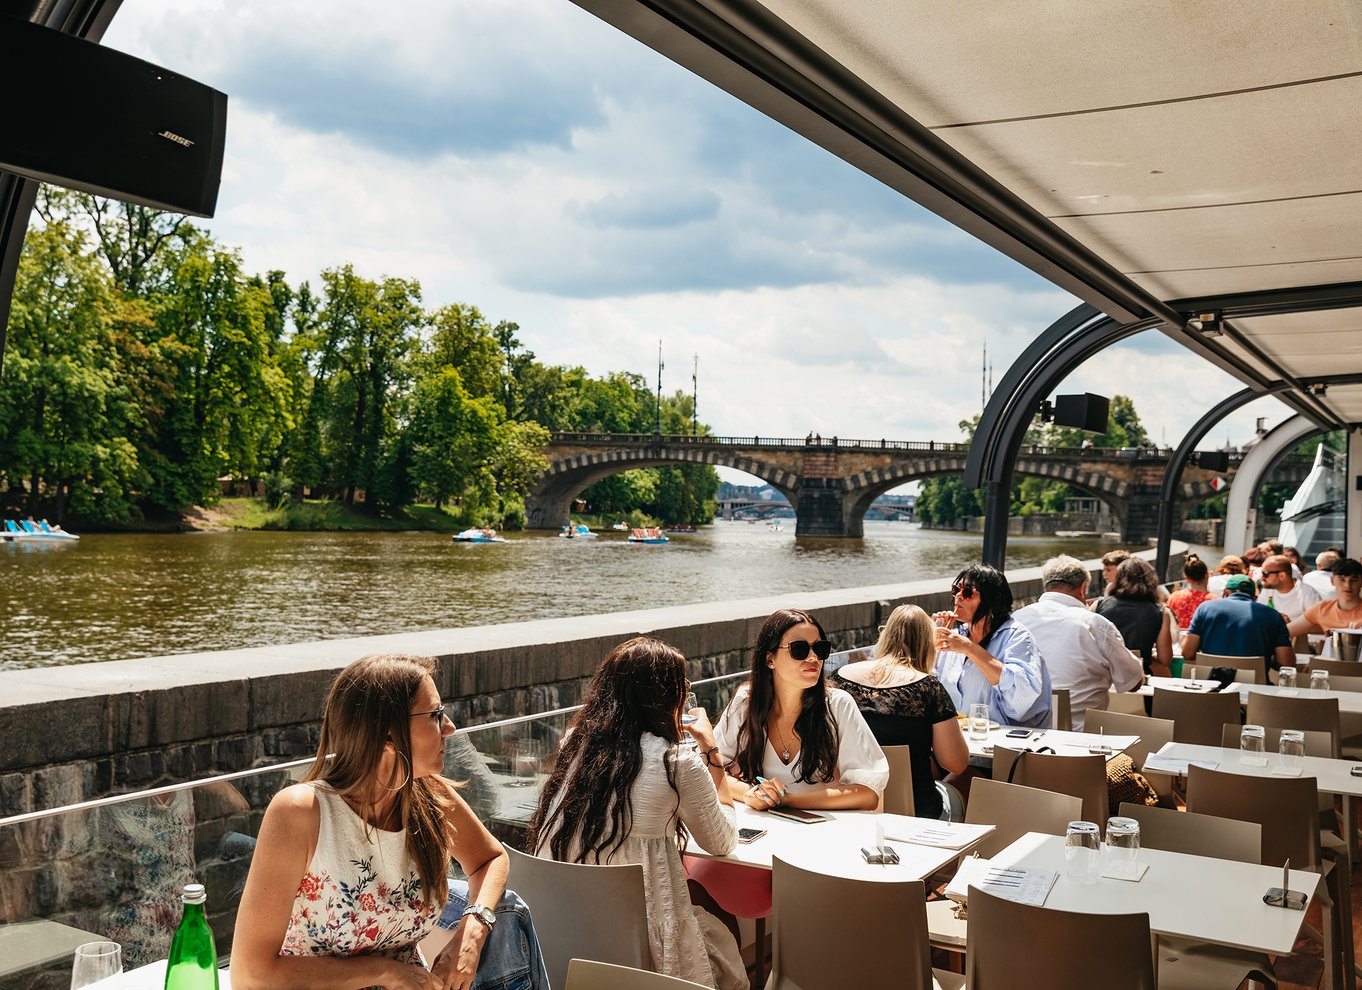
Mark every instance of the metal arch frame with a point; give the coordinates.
(86, 19)
(1256, 465)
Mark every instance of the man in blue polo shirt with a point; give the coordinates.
(1237, 626)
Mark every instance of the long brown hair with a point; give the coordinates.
(639, 687)
(369, 705)
(815, 725)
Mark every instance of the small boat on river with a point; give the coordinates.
(479, 535)
(647, 535)
(577, 532)
(28, 531)
(620, 527)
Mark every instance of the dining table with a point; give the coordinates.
(1349, 702)
(1062, 741)
(1209, 900)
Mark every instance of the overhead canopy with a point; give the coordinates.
(1156, 159)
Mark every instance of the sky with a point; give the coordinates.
(533, 161)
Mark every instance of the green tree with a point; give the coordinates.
(453, 438)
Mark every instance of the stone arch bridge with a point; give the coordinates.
(831, 482)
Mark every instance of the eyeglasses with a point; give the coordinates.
(963, 591)
(439, 715)
(1266, 573)
(799, 649)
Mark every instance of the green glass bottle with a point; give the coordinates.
(193, 963)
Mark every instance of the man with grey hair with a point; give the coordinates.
(1322, 580)
(1084, 651)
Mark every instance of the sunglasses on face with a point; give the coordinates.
(962, 591)
(438, 715)
(800, 649)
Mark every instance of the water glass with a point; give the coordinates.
(1286, 680)
(692, 702)
(1291, 750)
(1251, 746)
(1123, 840)
(96, 961)
(1319, 680)
(527, 756)
(1082, 852)
(978, 722)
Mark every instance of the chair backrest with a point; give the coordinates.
(1196, 717)
(1316, 743)
(1319, 714)
(886, 946)
(588, 974)
(1342, 668)
(1197, 835)
(898, 794)
(1153, 732)
(1015, 810)
(1125, 703)
(614, 930)
(1013, 945)
(1084, 777)
(1061, 717)
(1341, 683)
(1256, 665)
(1286, 807)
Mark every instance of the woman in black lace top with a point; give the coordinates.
(904, 705)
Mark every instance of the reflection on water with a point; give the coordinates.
(111, 597)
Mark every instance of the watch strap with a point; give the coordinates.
(484, 914)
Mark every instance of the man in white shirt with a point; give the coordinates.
(1322, 580)
(1283, 592)
(1083, 650)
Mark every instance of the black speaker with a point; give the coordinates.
(80, 115)
(1213, 460)
(1083, 412)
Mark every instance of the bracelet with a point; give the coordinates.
(709, 761)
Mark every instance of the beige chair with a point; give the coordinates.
(1154, 734)
(1126, 703)
(887, 945)
(1084, 777)
(1255, 665)
(587, 974)
(1183, 963)
(1319, 714)
(615, 930)
(1196, 717)
(1336, 668)
(1286, 808)
(1061, 716)
(898, 794)
(1013, 810)
(1016, 945)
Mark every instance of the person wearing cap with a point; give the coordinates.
(1237, 626)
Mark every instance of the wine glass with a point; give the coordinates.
(95, 961)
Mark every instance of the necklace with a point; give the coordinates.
(784, 746)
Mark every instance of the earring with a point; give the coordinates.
(404, 783)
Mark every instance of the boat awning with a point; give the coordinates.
(1163, 159)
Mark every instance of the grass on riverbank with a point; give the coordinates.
(326, 515)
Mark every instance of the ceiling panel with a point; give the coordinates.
(1250, 278)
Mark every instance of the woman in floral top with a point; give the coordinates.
(350, 870)
(1184, 601)
(904, 705)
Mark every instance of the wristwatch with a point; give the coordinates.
(484, 914)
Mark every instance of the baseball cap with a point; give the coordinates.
(1240, 582)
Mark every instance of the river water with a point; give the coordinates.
(113, 597)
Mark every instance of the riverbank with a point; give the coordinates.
(323, 516)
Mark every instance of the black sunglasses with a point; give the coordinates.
(799, 649)
(438, 715)
(964, 591)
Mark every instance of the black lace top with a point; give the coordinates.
(903, 715)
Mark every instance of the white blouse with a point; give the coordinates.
(676, 934)
(859, 757)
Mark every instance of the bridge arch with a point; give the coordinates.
(550, 500)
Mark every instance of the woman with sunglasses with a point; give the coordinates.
(985, 657)
(350, 871)
(786, 738)
(624, 790)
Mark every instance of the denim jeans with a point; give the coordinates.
(510, 956)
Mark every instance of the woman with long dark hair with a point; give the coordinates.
(788, 739)
(905, 705)
(1146, 626)
(1185, 600)
(985, 657)
(625, 791)
(351, 867)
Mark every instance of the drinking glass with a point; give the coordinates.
(1082, 847)
(526, 762)
(1286, 680)
(1291, 747)
(978, 722)
(691, 702)
(1251, 746)
(1319, 680)
(1123, 839)
(96, 961)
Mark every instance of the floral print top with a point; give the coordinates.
(1184, 603)
(361, 894)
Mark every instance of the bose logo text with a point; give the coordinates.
(172, 136)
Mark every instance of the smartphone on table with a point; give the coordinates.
(798, 815)
(750, 834)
